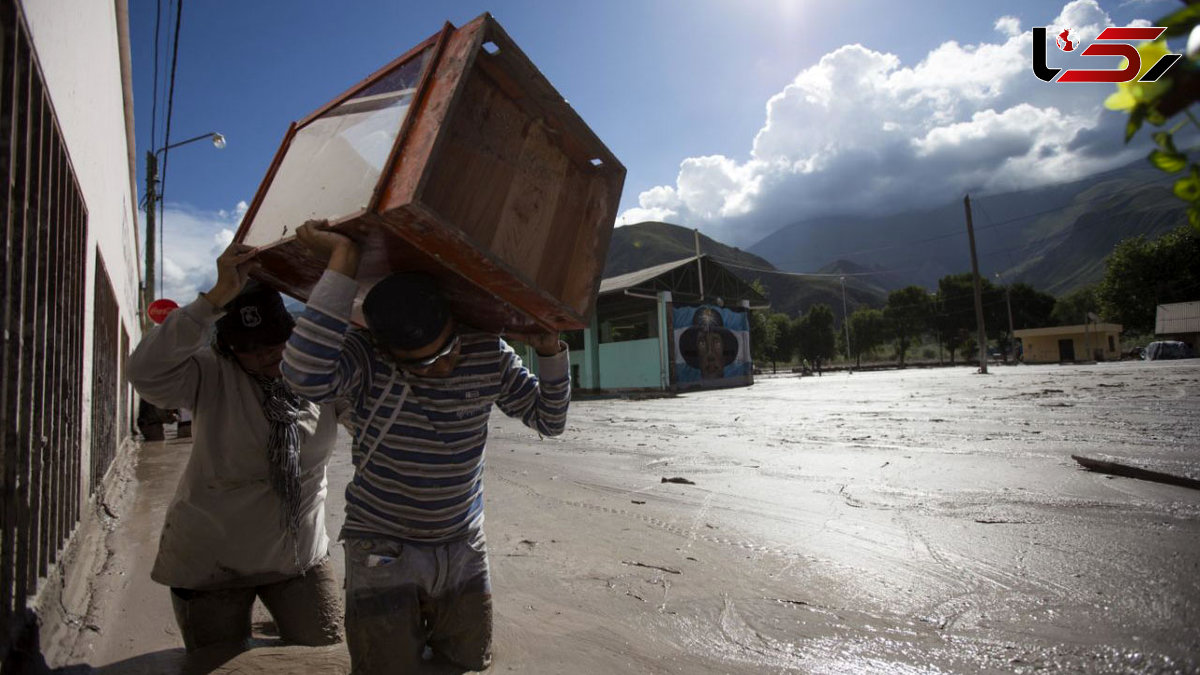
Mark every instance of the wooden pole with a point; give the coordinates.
(699, 263)
(978, 290)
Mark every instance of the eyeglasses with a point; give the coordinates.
(428, 361)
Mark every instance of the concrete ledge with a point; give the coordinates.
(64, 606)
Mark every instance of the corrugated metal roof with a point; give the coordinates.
(634, 279)
(1177, 317)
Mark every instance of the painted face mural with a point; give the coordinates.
(710, 343)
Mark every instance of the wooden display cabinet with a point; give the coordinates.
(459, 159)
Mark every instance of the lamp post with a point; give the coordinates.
(845, 319)
(152, 198)
(937, 328)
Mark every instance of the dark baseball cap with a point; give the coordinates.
(255, 318)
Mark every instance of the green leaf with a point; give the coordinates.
(1188, 189)
(1165, 141)
(1156, 118)
(1171, 162)
(1136, 116)
(1180, 22)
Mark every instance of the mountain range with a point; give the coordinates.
(1054, 238)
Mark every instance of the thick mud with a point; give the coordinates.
(901, 521)
(916, 521)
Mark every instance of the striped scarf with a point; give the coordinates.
(282, 408)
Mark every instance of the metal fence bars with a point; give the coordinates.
(43, 222)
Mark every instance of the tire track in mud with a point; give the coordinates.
(978, 583)
(690, 533)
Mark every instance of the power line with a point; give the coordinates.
(167, 142)
(730, 263)
(154, 104)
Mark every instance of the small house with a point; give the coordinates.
(1070, 344)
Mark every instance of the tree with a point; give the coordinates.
(762, 336)
(954, 318)
(907, 313)
(784, 345)
(868, 329)
(1072, 308)
(1139, 275)
(816, 338)
(1031, 308)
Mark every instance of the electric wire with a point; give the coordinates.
(167, 141)
(154, 99)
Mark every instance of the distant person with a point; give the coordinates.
(150, 421)
(183, 428)
(248, 517)
(423, 385)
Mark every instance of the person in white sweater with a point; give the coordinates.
(248, 518)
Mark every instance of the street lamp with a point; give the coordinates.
(152, 198)
(845, 319)
(937, 328)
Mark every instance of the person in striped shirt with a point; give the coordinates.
(420, 388)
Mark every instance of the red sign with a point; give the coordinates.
(159, 309)
(1118, 44)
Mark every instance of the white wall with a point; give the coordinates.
(79, 49)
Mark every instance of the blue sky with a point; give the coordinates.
(734, 116)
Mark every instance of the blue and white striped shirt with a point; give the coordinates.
(418, 442)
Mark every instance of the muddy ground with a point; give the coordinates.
(893, 521)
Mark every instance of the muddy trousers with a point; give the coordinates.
(402, 598)
(307, 610)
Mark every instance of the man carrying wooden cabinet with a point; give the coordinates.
(421, 388)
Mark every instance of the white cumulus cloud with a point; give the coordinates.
(862, 132)
(192, 240)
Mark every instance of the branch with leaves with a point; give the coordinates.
(1157, 102)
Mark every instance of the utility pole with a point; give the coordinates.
(937, 328)
(982, 337)
(1008, 304)
(151, 205)
(845, 319)
(699, 263)
(152, 198)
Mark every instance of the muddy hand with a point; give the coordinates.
(546, 344)
(233, 271)
(340, 250)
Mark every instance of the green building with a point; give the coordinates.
(676, 326)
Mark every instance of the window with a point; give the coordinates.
(638, 326)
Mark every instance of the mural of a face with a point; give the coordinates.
(709, 348)
(706, 344)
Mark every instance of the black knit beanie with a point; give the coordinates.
(405, 310)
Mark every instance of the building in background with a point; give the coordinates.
(1069, 344)
(1179, 321)
(679, 325)
(69, 298)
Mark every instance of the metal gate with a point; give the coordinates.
(43, 222)
(105, 385)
